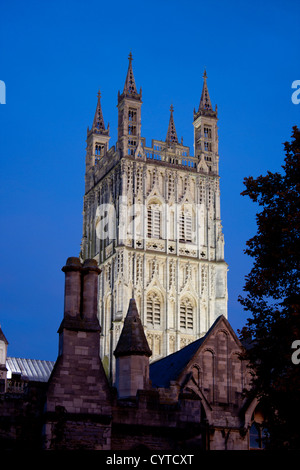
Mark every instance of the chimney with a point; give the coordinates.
(78, 384)
(90, 272)
(80, 307)
(72, 271)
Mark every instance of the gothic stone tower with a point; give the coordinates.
(151, 219)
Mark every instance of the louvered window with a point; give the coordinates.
(154, 221)
(186, 315)
(185, 227)
(153, 309)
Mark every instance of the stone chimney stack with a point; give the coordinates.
(132, 356)
(90, 272)
(80, 305)
(78, 386)
(72, 271)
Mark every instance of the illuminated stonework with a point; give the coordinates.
(152, 221)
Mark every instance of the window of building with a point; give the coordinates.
(207, 146)
(132, 115)
(131, 130)
(257, 436)
(207, 132)
(171, 183)
(99, 152)
(185, 227)
(153, 309)
(186, 314)
(153, 221)
(120, 263)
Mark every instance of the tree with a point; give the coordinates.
(273, 297)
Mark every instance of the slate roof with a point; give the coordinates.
(167, 369)
(132, 339)
(163, 371)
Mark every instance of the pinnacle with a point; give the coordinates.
(130, 90)
(130, 87)
(132, 339)
(205, 103)
(171, 134)
(98, 124)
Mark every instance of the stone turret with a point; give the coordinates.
(132, 356)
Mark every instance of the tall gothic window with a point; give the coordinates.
(132, 115)
(153, 309)
(185, 226)
(153, 221)
(186, 314)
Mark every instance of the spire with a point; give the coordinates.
(132, 340)
(171, 134)
(205, 106)
(98, 123)
(130, 90)
(205, 103)
(130, 86)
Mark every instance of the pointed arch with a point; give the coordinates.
(154, 305)
(186, 223)
(187, 313)
(154, 218)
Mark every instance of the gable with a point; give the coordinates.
(220, 341)
(211, 364)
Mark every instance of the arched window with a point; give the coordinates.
(185, 226)
(154, 221)
(153, 312)
(257, 436)
(186, 314)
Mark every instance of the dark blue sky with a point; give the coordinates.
(54, 58)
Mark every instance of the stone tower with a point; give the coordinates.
(151, 219)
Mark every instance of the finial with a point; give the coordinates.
(171, 134)
(99, 95)
(205, 74)
(130, 56)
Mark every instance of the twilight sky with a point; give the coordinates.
(54, 56)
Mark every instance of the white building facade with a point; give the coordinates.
(151, 219)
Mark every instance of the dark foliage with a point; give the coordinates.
(273, 296)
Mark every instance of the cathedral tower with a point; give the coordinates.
(151, 219)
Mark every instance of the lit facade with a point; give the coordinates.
(151, 219)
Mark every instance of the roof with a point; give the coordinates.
(163, 371)
(168, 369)
(30, 369)
(132, 339)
